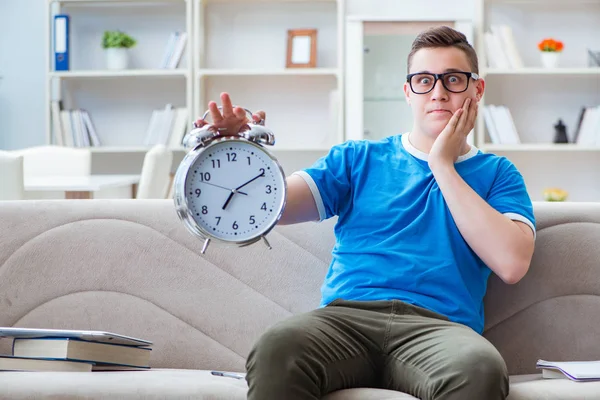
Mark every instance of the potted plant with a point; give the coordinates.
(116, 45)
(550, 50)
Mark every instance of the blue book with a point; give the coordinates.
(61, 42)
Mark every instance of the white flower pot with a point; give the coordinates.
(550, 59)
(117, 58)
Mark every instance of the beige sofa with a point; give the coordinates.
(129, 266)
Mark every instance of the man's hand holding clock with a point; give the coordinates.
(231, 157)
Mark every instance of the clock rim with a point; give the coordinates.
(181, 203)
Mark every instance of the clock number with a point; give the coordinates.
(205, 176)
(232, 157)
(268, 189)
(252, 220)
(218, 220)
(204, 210)
(198, 191)
(216, 163)
(235, 225)
(262, 171)
(248, 160)
(264, 207)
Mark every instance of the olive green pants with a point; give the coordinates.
(379, 344)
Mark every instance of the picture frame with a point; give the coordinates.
(302, 48)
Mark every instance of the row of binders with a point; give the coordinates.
(501, 48)
(587, 131)
(73, 128)
(500, 125)
(68, 351)
(167, 126)
(174, 50)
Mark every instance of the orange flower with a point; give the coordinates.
(550, 44)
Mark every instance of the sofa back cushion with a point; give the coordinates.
(130, 267)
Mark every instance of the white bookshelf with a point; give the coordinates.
(120, 102)
(538, 97)
(240, 48)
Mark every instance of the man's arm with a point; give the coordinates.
(300, 205)
(505, 246)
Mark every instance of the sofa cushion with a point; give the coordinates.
(201, 385)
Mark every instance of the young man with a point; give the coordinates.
(423, 219)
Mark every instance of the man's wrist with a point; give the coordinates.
(441, 167)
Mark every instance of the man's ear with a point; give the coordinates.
(407, 93)
(480, 89)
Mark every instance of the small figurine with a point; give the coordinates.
(560, 134)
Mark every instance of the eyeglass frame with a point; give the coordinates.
(437, 77)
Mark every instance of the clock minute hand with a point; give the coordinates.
(251, 180)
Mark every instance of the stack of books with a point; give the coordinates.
(73, 351)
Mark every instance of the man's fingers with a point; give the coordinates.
(215, 114)
(462, 121)
(259, 116)
(227, 107)
(240, 113)
(200, 123)
(454, 120)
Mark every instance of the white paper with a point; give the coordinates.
(301, 50)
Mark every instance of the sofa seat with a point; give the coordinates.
(201, 385)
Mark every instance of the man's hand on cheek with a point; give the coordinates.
(452, 140)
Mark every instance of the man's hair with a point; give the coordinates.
(444, 36)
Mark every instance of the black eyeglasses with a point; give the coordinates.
(455, 81)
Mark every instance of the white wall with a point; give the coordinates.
(22, 63)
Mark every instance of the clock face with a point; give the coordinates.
(234, 190)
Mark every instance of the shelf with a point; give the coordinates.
(120, 2)
(127, 149)
(268, 72)
(128, 73)
(544, 71)
(270, 1)
(539, 147)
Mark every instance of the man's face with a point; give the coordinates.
(433, 110)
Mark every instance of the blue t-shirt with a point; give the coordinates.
(395, 236)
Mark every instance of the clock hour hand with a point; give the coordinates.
(222, 187)
(228, 199)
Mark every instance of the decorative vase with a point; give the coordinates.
(550, 58)
(117, 58)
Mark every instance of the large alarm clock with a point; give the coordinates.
(229, 187)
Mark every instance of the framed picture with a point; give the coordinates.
(302, 48)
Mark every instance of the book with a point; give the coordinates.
(11, 363)
(574, 370)
(80, 350)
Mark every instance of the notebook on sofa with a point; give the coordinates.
(575, 370)
(90, 336)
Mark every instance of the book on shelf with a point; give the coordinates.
(501, 48)
(579, 371)
(72, 350)
(73, 128)
(587, 131)
(167, 126)
(174, 50)
(500, 125)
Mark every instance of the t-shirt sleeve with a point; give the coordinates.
(509, 196)
(329, 179)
